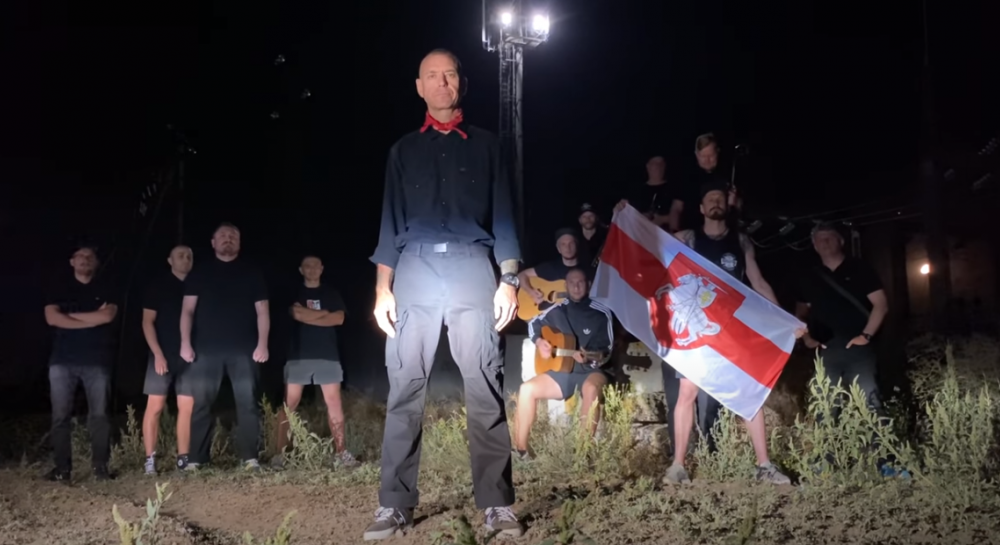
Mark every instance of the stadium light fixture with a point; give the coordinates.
(540, 24)
(925, 269)
(506, 18)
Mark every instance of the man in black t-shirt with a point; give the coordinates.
(592, 235)
(313, 356)
(567, 244)
(710, 170)
(225, 322)
(161, 315)
(846, 305)
(656, 198)
(81, 309)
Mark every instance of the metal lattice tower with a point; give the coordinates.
(509, 33)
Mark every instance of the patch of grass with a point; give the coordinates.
(144, 532)
(283, 536)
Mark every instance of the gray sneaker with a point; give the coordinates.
(388, 522)
(252, 466)
(278, 461)
(504, 521)
(771, 474)
(676, 474)
(345, 459)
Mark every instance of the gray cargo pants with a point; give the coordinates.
(454, 285)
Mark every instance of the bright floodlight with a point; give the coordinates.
(541, 24)
(925, 269)
(506, 18)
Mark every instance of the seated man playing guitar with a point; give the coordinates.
(574, 339)
(545, 284)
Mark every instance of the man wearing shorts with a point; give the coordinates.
(588, 321)
(161, 316)
(314, 358)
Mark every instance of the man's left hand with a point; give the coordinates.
(504, 305)
(579, 356)
(860, 340)
(260, 354)
(800, 332)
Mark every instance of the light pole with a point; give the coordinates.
(509, 28)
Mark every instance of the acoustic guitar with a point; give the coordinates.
(553, 292)
(563, 348)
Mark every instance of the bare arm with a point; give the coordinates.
(187, 318)
(686, 236)
(383, 278)
(753, 272)
(801, 310)
(105, 315)
(880, 308)
(149, 331)
(524, 275)
(263, 321)
(55, 318)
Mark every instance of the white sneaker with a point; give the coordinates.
(150, 466)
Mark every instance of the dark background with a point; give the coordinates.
(827, 95)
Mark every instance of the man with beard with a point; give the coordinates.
(225, 316)
(447, 205)
(734, 253)
(81, 310)
(161, 314)
(592, 234)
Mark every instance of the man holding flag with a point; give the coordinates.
(718, 334)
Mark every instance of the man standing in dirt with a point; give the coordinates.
(447, 203)
(81, 310)
(161, 314)
(225, 315)
(314, 358)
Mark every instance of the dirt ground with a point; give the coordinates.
(217, 509)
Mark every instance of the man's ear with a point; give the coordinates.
(420, 87)
(465, 87)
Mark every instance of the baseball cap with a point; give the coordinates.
(565, 231)
(587, 207)
(825, 226)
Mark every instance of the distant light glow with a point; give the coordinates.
(541, 24)
(506, 18)
(925, 268)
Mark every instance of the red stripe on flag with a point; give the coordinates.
(752, 352)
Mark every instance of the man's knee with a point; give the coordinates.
(687, 393)
(591, 389)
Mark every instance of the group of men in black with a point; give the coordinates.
(200, 324)
(447, 212)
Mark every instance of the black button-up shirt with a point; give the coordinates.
(441, 188)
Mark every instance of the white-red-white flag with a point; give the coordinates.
(719, 333)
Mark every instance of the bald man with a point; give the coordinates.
(447, 207)
(161, 316)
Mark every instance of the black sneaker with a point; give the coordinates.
(101, 473)
(57, 475)
(388, 523)
(182, 462)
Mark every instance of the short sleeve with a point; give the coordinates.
(194, 283)
(151, 298)
(258, 286)
(866, 279)
(336, 302)
(55, 294)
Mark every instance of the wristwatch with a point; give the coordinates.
(866, 336)
(511, 279)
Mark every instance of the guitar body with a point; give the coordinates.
(553, 292)
(561, 364)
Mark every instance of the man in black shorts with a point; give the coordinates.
(225, 316)
(81, 310)
(314, 358)
(161, 315)
(588, 321)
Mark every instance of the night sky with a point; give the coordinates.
(827, 95)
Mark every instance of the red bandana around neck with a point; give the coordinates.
(445, 127)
